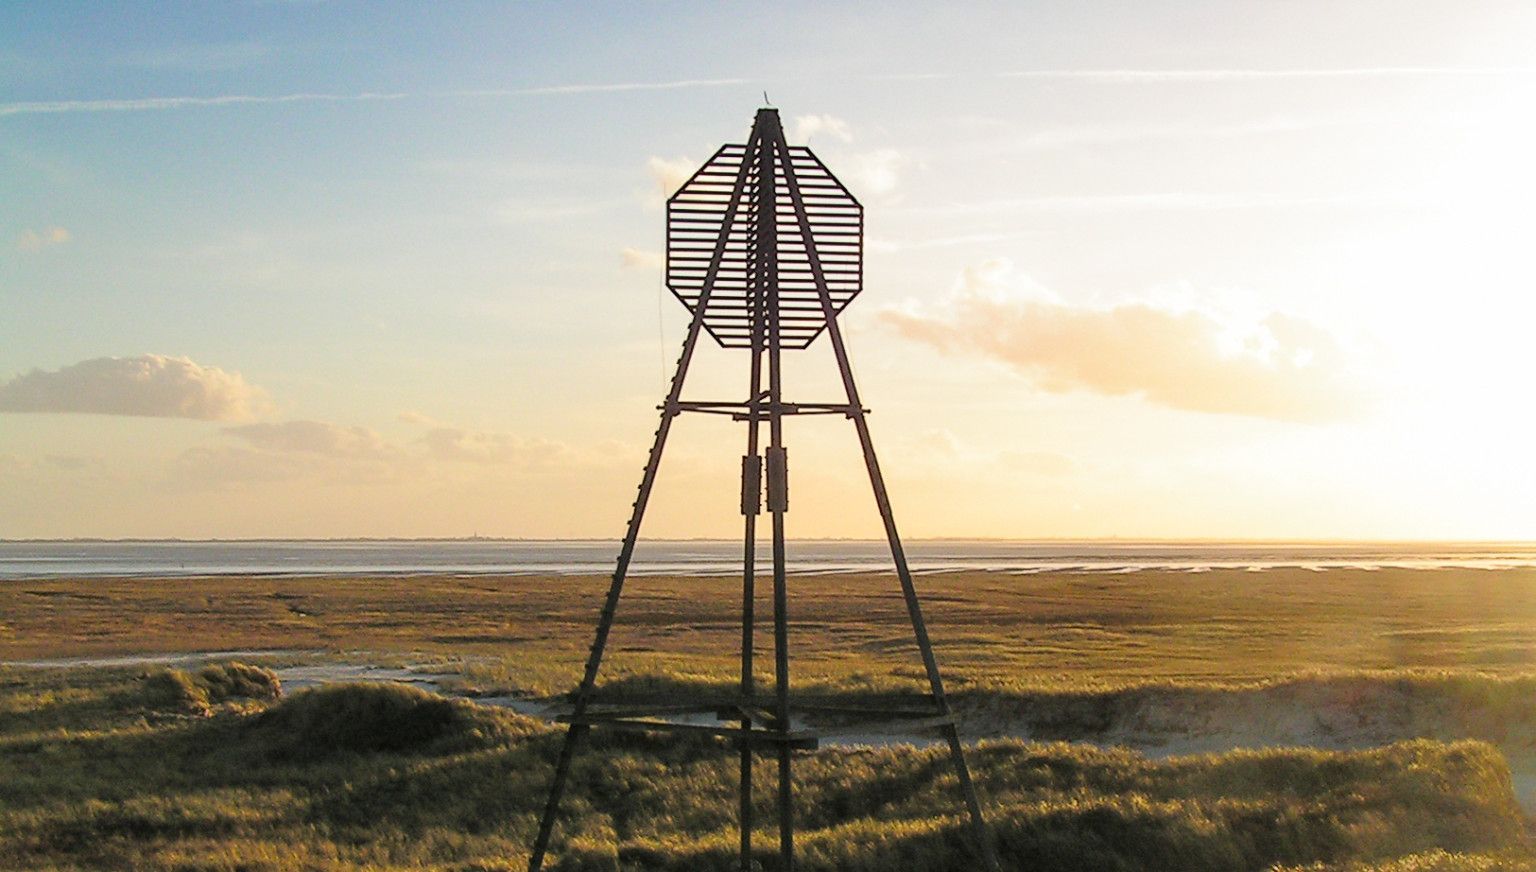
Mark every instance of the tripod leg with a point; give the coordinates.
(920, 630)
(751, 505)
(605, 620)
(573, 735)
(632, 533)
(883, 502)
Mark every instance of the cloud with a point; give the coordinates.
(150, 385)
(807, 126)
(1116, 134)
(318, 451)
(227, 464)
(490, 448)
(289, 450)
(37, 240)
(873, 172)
(486, 447)
(941, 444)
(1047, 463)
(670, 175)
(867, 173)
(939, 441)
(1276, 366)
(410, 416)
(635, 258)
(314, 437)
(1127, 76)
(609, 87)
(881, 244)
(337, 454)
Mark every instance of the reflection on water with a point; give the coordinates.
(715, 557)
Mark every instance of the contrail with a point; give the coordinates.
(140, 104)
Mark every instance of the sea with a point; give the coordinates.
(33, 559)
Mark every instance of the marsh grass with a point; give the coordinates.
(192, 769)
(1053, 631)
(391, 777)
(1428, 861)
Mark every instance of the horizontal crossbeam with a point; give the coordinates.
(797, 739)
(741, 411)
(853, 721)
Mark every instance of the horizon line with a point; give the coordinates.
(1128, 540)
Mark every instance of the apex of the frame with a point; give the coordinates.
(767, 119)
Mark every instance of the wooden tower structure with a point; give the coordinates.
(765, 249)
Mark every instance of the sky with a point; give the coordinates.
(1137, 269)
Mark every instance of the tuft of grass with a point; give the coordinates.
(230, 680)
(214, 685)
(379, 717)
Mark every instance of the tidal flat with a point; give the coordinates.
(1344, 719)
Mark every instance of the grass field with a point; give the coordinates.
(1053, 631)
(128, 769)
(148, 768)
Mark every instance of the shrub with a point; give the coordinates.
(370, 718)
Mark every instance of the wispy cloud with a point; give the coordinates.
(313, 437)
(598, 88)
(887, 244)
(639, 258)
(330, 452)
(807, 126)
(143, 104)
(909, 77)
(491, 448)
(669, 174)
(1134, 76)
(1168, 201)
(940, 447)
(446, 442)
(150, 385)
(37, 240)
(1071, 137)
(874, 172)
